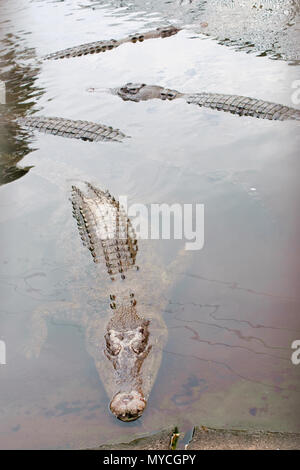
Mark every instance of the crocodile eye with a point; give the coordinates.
(113, 344)
(138, 346)
(134, 88)
(113, 349)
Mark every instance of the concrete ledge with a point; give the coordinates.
(215, 439)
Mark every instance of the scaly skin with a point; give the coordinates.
(105, 230)
(240, 105)
(84, 130)
(244, 106)
(102, 46)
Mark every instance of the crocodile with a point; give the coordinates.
(125, 332)
(106, 45)
(235, 104)
(265, 27)
(83, 130)
(106, 231)
(269, 27)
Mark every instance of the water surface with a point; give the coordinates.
(233, 312)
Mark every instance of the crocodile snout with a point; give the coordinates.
(128, 406)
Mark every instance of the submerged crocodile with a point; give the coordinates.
(240, 105)
(125, 333)
(105, 45)
(84, 130)
(107, 232)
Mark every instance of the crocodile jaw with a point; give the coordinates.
(128, 406)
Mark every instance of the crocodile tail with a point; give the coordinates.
(244, 106)
(105, 230)
(83, 49)
(84, 130)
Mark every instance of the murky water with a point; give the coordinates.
(233, 313)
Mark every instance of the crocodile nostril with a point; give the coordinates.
(128, 406)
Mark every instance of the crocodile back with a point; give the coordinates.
(105, 45)
(105, 230)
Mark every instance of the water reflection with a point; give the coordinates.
(22, 94)
(183, 11)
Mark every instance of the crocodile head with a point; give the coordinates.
(167, 31)
(127, 349)
(143, 92)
